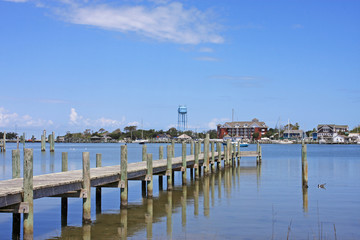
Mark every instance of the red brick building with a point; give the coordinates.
(243, 130)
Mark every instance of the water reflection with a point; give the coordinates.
(140, 218)
(52, 162)
(43, 162)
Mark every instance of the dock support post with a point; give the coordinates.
(239, 156)
(206, 154)
(228, 149)
(23, 141)
(304, 165)
(143, 183)
(183, 169)
(86, 218)
(16, 174)
(28, 221)
(226, 156)
(43, 143)
(4, 142)
(196, 165)
(169, 171)
(52, 143)
(64, 200)
(98, 189)
(149, 175)
(258, 153)
(191, 147)
(160, 177)
(124, 179)
(173, 147)
(218, 149)
(212, 156)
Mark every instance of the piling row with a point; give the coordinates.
(118, 178)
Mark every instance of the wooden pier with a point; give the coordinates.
(17, 194)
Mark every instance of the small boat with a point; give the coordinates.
(285, 141)
(141, 141)
(236, 143)
(322, 141)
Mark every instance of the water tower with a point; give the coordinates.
(182, 118)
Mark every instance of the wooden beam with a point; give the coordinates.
(22, 207)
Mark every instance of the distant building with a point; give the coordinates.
(328, 131)
(338, 139)
(163, 137)
(242, 130)
(294, 134)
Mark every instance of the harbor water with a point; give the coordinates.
(243, 202)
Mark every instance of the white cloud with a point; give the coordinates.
(206, 49)
(215, 121)
(163, 20)
(8, 119)
(208, 59)
(73, 116)
(17, 1)
(133, 123)
(76, 119)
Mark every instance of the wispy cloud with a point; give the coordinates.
(77, 120)
(208, 59)
(234, 78)
(17, 1)
(162, 20)
(206, 50)
(239, 81)
(215, 121)
(9, 119)
(297, 26)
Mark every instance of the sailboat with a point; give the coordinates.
(287, 141)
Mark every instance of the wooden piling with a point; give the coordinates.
(212, 156)
(144, 159)
(52, 143)
(28, 218)
(304, 165)
(169, 171)
(16, 174)
(123, 177)
(64, 200)
(206, 155)
(149, 218)
(258, 152)
(191, 147)
(238, 150)
(218, 149)
(183, 169)
(183, 205)
(225, 156)
(123, 223)
(4, 142)
(98, 189)
(196, 166)
(160, 177)
(23, 140)
(43, 143)
(173, 147)
(149, 176)
(228, 149)
(86, 218)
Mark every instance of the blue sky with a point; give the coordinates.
(76, 64)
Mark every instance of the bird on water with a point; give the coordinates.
(322, 185)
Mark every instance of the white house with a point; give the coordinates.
(338, 139)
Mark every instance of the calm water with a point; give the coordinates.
(241, 203)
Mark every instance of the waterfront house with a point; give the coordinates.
(328, 131)
(242, 130)
(294, 134)
(183, 137)
(163, 137)
(338, 139)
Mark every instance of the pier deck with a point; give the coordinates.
(53, 184)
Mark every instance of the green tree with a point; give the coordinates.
(255, 135)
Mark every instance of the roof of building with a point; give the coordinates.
(294, 131)
(333, 125)
(243, 124)
(184, 136)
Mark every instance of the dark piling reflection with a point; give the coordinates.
(305, 199)
(43, 162)
(52, 162)
(139, 218)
